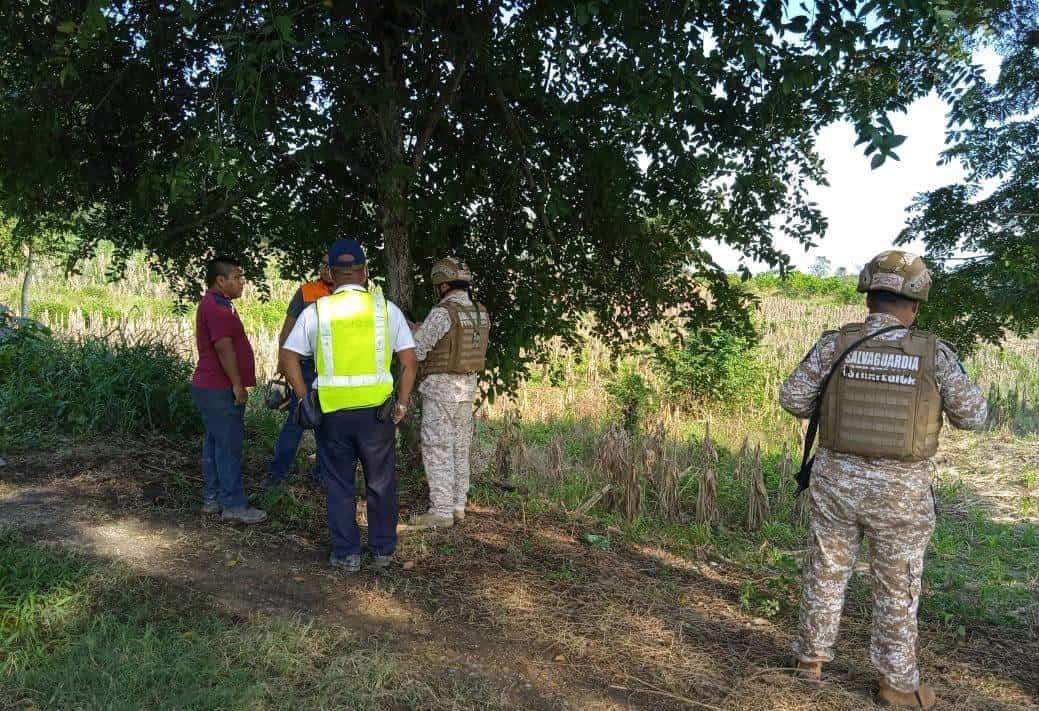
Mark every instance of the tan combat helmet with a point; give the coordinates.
(902, 273)
(450, 269)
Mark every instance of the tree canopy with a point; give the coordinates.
(983, 234)
(578, 154)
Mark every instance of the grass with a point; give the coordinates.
(80, 633)
(982, 567)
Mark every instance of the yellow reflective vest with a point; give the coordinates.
(353, 350)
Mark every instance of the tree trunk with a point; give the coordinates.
(393, 212)
(395, 230)
(27, 282)
(394, 221)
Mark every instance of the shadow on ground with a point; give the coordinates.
(520, 610)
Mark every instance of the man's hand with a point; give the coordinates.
(399, 411)
(241, 395)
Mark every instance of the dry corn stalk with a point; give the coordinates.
(653, 445)
(741, 472)
(556, 463)
(505, 450)
(665, 481)
(707, 496)
(615, 462)
(757, 494)
(710, 454)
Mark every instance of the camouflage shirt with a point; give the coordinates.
(446, 387)
(962, 401)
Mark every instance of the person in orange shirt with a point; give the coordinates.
(288, 441)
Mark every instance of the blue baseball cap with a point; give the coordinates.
(346, 253)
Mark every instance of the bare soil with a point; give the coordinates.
(547, 621)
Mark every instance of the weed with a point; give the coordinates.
(81, 634)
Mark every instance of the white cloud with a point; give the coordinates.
(866, 208)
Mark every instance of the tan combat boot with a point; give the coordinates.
(810, 671)
(922, 698)
(431, 520)
(459, 515)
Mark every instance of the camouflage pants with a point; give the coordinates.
(894, 507)
(447, 435)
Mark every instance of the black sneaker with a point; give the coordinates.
(350, 563)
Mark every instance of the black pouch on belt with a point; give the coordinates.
(384, 413)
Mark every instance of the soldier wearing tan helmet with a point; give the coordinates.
(451, 344)
(879, 417)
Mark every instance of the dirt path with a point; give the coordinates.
(545, 620)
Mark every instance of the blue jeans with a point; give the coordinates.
(221, 446)
(344, 437)
(288, 441)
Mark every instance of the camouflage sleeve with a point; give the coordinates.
(799, 392)
(436, 325)
(962, 400)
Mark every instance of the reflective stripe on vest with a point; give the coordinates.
(351, 325)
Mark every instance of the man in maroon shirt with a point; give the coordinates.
(226, 369)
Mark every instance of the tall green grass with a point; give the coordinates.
(52, 387)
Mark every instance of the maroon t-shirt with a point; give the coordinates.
(216, 318)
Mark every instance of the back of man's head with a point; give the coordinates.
(888, 302)
(347, 262)
(220, 267)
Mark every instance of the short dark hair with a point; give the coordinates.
(458, 284)
(220, 266)
(880, 297)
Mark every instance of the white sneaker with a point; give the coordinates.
(431, 520)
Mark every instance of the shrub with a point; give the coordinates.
(713, 364)
(630, 395)
(796, 285)
(51, 387)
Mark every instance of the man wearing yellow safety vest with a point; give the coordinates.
(352, 336)
(291, 433)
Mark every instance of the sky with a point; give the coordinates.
(866, 208)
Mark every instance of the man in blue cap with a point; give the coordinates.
(352, 336)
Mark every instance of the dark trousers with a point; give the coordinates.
(344, 437)
(221, 446)
(287, 446)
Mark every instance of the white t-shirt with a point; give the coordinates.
(303, 338)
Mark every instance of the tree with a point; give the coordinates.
(820, 267)
(982, 236)
(578, 155)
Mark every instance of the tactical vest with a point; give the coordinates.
(884, 400)
(314, 290)
(353, 350)
(463, 349)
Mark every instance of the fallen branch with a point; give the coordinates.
(590, 503)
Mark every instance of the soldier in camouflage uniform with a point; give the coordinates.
(451, 344)
(879, 423)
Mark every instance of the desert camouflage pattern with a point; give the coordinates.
(446, 387)
(450, 269)
(447, 436)
(899, 272)
(889, 500)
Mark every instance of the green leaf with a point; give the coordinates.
(798, 24)
(878, 160)
(67, 27)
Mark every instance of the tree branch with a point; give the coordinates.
(434, 116)
(517, 140)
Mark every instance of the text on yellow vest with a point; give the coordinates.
(353, 350)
